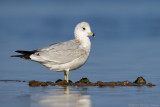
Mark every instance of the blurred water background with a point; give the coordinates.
(127, 45)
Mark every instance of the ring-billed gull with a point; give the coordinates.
(63, 56)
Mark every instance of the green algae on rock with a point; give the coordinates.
(84, 80)
(34, 83)
(140, 80)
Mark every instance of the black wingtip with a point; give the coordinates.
(20, 51)
(25, 54)
(16, 56)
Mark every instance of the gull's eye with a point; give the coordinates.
(84, 28)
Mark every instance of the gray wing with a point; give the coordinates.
(59, 53)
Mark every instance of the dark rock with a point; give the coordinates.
(44, 84)
(93, 84)
(62, 82)
(34, 83)
(53, 84)
(58, 80)
(113, 84)
(150, 84)
(49, 82)
(84, 80)
(70, 81)
(140, 81)
(99, 82)
(124, 83)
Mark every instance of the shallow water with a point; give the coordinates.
(126, 46)
(18, 94)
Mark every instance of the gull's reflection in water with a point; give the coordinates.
(62, 97)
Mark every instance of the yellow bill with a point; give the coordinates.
(91, 34)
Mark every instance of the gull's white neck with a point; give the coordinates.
(84, 41)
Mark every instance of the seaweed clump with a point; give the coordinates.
(34, 83)
(84, 80)
(140, 81)
(150, 84)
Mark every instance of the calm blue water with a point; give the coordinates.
(126, 46)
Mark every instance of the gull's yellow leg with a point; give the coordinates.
(67, 73)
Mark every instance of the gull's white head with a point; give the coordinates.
(83, 30)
